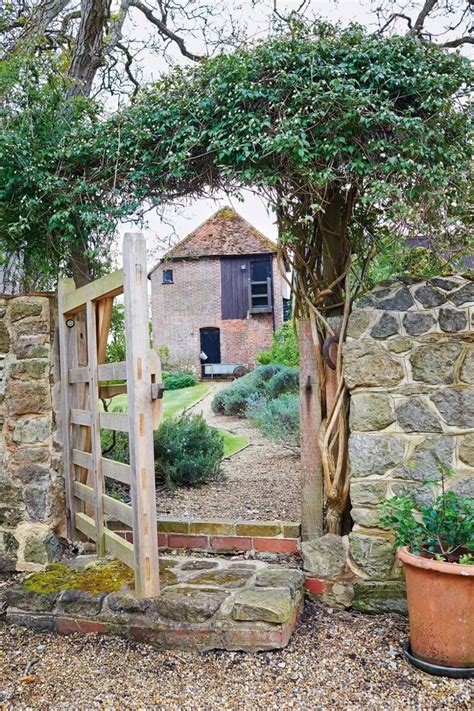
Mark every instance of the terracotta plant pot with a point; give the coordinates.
(441, 610)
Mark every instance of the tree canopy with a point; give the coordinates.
(380, 122)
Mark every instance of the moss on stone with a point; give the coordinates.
(98, 577)
(225, 578)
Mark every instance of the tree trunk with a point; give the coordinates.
(80, 266)
(86, 60)
(335, 253)
(89, 49)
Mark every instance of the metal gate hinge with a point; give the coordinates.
(157, 391)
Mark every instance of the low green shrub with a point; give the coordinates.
(187, 451)
(284, 348)
(233, 399)
(264, 373)
(277, 418)
(286, 380)
(176, 381)
(267, 381)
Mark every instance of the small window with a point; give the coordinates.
(167, 276)
(260, 286)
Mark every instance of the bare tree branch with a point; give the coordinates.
(468, 39)
(41, 17)
(393, 17)
(420, 20)
(115, 33)
(128, 64)
(165, 31)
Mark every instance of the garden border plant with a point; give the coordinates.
(268, 396)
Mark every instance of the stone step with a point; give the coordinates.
(204, 603)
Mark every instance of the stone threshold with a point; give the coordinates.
(223, 535)
(203, 604)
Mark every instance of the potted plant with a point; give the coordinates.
(436, 543)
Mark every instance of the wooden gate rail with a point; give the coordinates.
(84, 321)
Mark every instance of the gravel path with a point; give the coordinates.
(335, 661)
(261, 481)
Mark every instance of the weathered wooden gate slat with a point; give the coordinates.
(119, 510)
(82, 459)
(84, 492)
(81, 417)
(117, 470)
(114, 421)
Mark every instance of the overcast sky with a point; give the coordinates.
(177, 222)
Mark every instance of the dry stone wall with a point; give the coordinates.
(31, 484)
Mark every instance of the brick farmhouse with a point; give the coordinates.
(218, 292)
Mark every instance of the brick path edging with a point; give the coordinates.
(226, 535)
(234, 544)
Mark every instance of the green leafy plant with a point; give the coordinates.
(284, 348)
(176, 381)
(233, 399)
(443, 530)
(187, 451)
(278, 418)
(116, 346)
(285, 381)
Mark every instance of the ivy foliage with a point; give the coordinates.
(44, 209)
(292, 116)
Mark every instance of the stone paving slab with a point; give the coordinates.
(203, 604)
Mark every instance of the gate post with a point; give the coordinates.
(310, 423)
(140, 417)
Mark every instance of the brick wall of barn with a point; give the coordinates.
(193, 301)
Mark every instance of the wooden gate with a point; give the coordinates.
(84, 322)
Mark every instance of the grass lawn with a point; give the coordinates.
(175, 401)
(232, 442)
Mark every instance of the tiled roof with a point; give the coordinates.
(224, 234)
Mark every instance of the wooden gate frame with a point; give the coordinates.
(84, 322)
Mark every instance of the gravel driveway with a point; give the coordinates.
(261, 481)
(335, 661)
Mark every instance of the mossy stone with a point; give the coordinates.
(4, 338)
(223, 578)
(23, 307)
(107, 576)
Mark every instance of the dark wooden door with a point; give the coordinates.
(234, 290)
(211, 345)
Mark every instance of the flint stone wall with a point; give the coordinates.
(31, 484)
(409, 367)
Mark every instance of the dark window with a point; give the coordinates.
(167, 276)
(260, 286)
